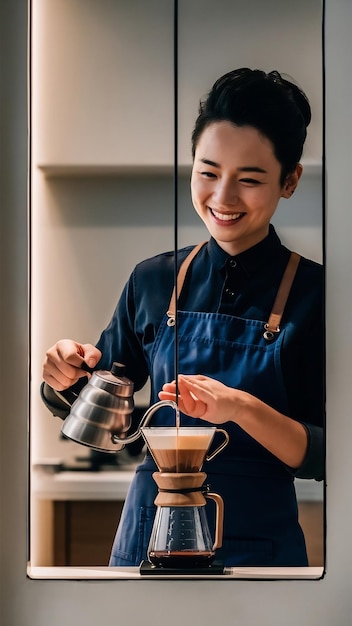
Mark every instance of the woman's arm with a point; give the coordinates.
(208, 399)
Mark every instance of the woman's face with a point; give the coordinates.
(235, 184)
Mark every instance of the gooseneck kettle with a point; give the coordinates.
(101, 416)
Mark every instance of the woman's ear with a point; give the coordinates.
(291, 181)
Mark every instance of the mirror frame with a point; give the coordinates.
(315, 573)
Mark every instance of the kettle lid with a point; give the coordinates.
(113, 380)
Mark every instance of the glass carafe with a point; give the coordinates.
(181, 538)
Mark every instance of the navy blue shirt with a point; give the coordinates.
(244, 285)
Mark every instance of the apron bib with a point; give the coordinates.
(260, 508)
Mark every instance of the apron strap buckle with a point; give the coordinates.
(172, 320)
(269, 333)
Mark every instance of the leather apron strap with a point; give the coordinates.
(273, 324)
(180, 280)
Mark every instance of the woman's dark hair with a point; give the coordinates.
(276, 107)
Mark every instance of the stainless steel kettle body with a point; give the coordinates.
(102, 411)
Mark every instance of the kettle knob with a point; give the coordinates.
(118, 369)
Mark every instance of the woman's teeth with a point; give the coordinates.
(226, 217)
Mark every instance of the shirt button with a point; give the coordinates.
(229, 292)
(232, 263)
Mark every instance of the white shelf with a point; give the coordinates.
(88, 170)
(56, 170)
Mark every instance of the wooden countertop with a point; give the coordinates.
(240, 573)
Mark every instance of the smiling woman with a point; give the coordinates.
(238, 178)
(235, 206)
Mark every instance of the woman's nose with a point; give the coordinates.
(226, 193)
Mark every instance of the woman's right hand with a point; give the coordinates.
(62, 367)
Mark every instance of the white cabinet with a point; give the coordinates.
(104, 74)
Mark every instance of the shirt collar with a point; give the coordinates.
(250, 260)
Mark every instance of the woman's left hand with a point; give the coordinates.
(203, 397)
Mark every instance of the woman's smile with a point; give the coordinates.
(225, 218)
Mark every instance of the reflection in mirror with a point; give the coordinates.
(102, 201)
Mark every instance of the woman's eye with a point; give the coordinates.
(250, 181)
(208, 174)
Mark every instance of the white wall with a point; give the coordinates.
(38, 603)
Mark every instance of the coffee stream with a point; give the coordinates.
(178, 424)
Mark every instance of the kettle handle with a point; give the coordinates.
(146, 419)
(219, 523)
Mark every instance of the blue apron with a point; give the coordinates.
(260, 509)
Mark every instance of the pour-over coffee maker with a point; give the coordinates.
(100, 418)
(180, 538)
